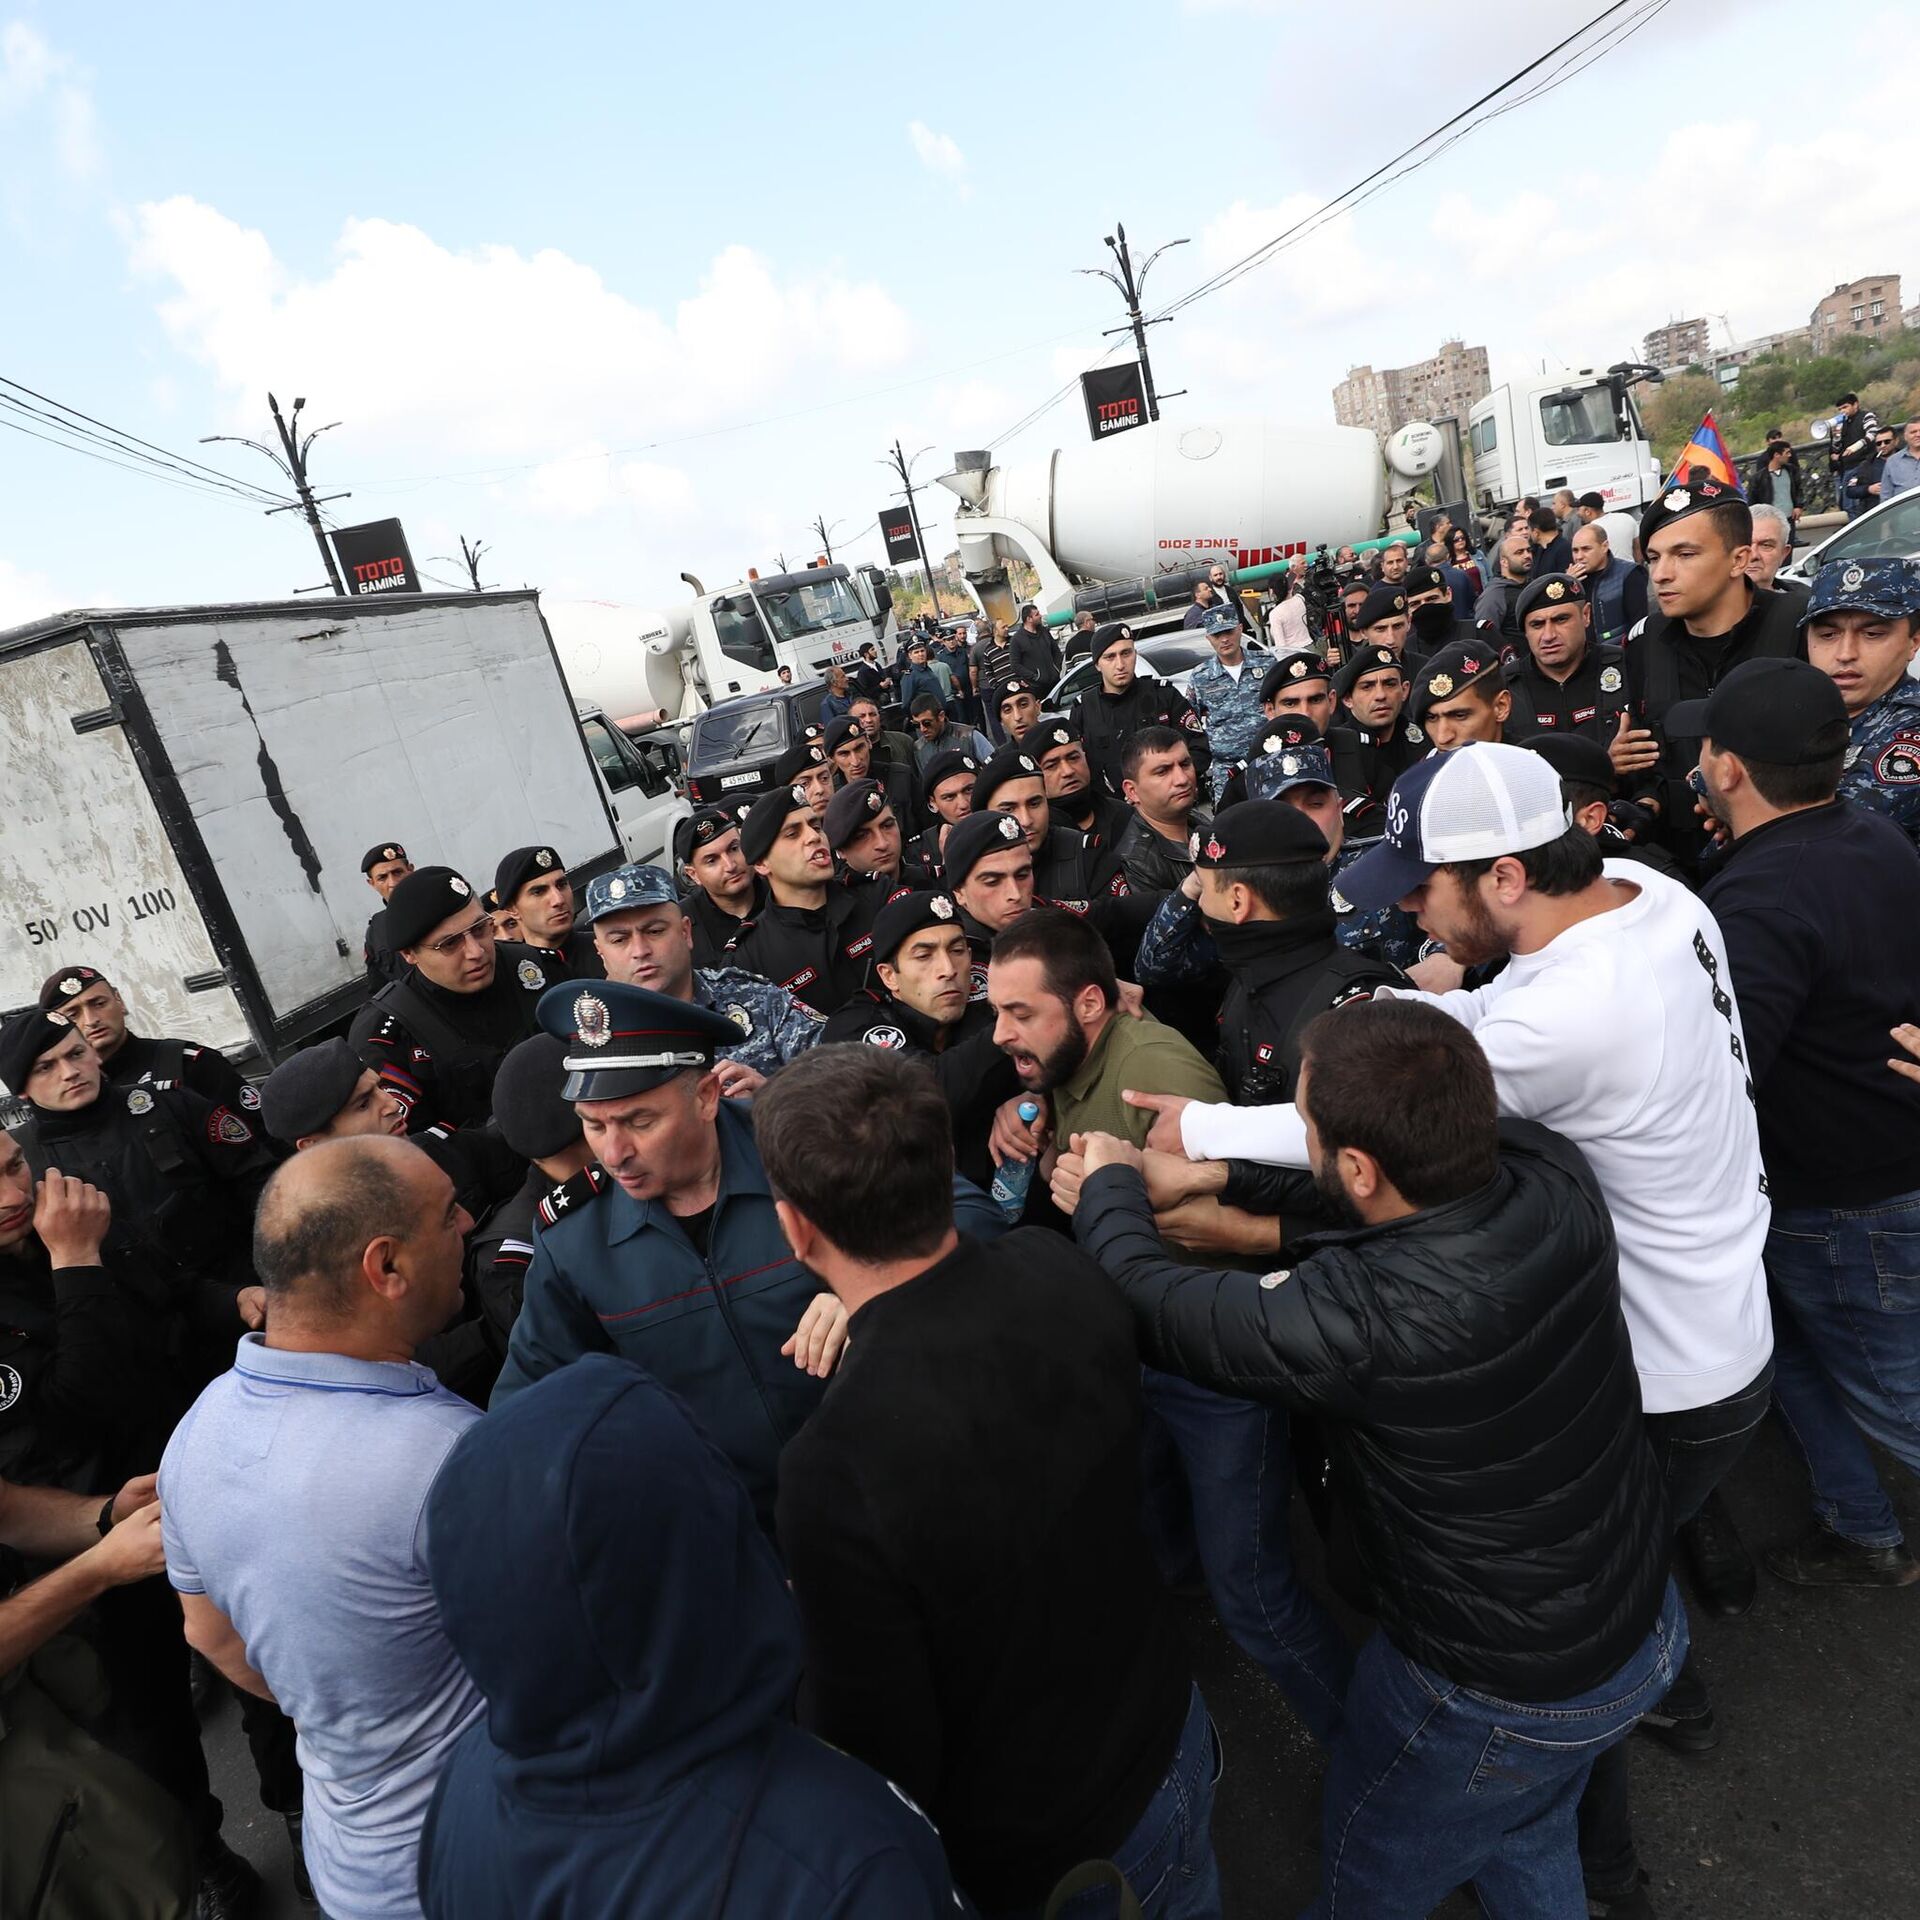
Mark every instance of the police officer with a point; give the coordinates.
(851, 752)
(532, 884)
(1862, 628)
(1430, 608)
(814, 936)
(1064, 866)
(805, 765)
(646, 940)
(1375, 743)
(1015, 703)
(947, 780)
(989, 872)
(1562, 679)
(384, 867)
(722, 894)
(1383, 621)
(1126, 701)
(1300, 683)
(1226, 689)
(863, 833)
(1076, 798)
(93, 1004)
(436, 1034)
(669, 1250)
(919, 1000)
(1461, 695)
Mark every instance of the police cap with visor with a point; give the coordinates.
(623, 1040)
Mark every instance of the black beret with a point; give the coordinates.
(700, 828)
(1057, 730)
(1012, 762)
(943, 766)
(378, 856)
(999, 695)
(970, 840)
(67, 984)
(533, 1118)
(900, 919)
(1677, 502)
(762, 819)
(1552, 589)
(23, 1040)
(1381, 604)
(839, 731)
(520, 866)
(1363, 661)
(1290, 670)
(1574, 757)
(1466, 663)
(797, 759)
(427, 896)
(307, 1089)
(1424, 579)
(850, 809)
(1259, 833)
(1109, 636)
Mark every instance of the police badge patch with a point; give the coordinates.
(1899, 761)
(139, 1101)
(250, 1099)
(940, 907)
(530, 975)
(225, 1128)
(9, 1387)
(740, 1017)
(1853, 576)
(70, 986)
(1609, 679)
(591, 1021)
(459, 886)
(886, 1037)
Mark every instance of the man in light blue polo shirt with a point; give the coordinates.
(294, 1493)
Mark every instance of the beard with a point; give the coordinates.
(1477, 940)
(1333, 1196)
(1062, 1063)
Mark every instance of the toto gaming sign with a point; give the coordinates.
(896, 529)
(374, 558)
(1116, 399)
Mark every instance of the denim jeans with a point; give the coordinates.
(1168, 1857)
(1695, 1450)
(1431, 1785)
(1234, 1460)
(1846, 1296)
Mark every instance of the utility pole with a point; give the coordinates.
(294, 466)
(903, 467)
(1131, 289)
(825, 532)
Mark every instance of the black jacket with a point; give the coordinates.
(1098, 817)
(819, 954)
(1818, 909)
(1589, 702)
(1070, 867)
(1107, 721)
(1153, 863)
(1473, 1374)
(715, 929)
(1365, 766)
(203, 1070)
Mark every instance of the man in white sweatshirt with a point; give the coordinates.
(1614, 1024)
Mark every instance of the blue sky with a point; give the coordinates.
(623, 291)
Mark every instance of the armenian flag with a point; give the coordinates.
(1707, 453)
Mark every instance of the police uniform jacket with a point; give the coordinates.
(1883, 763)
(203, 1070)
(610, 1274)
(1069, 867)
(1231, 708)
(774, 1026)
(499, 1252)
(438, 1051)
(1101, 817)
(1589, 702)
(819, 954)
(1108, 720)
(577, 954)
(715, 929)
(1365, 766)
(383, 964)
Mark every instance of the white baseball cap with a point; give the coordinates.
(1476, 803)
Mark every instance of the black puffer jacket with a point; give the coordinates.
(1480, 1403)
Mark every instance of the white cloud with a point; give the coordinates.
(27, 596)
(940, 154)
(492, 353)
(35, 78)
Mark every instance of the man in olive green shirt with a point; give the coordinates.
(1057, 1018)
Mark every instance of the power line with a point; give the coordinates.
(148, 472)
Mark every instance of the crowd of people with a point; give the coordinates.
(702, 1400)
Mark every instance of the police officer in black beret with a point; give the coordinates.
(1460, 696)
(1562, 679)
(92, 1002)
(919, 1000)
(532, 884)
(1384, 621)
(436, 1035)
(1064, 866)
(1075, 796)
(863, 833)
(1124, 701)
(1375, 741)
(720, 891)
(850, 749)
(947, 781)
(805, 765)
(384, 867)
(815, 934)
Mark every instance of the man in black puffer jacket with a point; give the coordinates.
(1464, 1346)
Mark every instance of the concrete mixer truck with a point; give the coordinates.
(1123, 528)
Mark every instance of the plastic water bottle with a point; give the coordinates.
(1012, 1178)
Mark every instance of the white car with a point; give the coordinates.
(1888, 531)
(1171, 656)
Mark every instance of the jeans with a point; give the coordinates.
(1846, 1295)
(1233, 1457)
(1168, 1857)
(1695, 1450)
(1431, 1785)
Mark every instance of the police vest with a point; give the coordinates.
(1260, 1032)
(465, 1060)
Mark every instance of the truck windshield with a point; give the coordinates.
(795, 612)
(1582, 418)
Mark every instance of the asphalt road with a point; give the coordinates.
(1809, 1810)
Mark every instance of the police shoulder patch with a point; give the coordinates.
(1898, 763)
(225, 1128)
(1272, 1280)
(10, 1387)
(250, 1098)
(885, 1037)
(571, 1196)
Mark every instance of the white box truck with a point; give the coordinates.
(186, 793)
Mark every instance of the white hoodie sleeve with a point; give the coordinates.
(1276, 1136)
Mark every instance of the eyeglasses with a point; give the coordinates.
(478, 934)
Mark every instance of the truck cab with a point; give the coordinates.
(1577, 428)
(645, 790)
(806, 621)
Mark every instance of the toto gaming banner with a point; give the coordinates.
(374, 558)
(896, 529)
(1116, 399)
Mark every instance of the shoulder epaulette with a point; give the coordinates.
(571, 1196)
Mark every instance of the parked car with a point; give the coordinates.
(1888, 531)
(732, 746)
